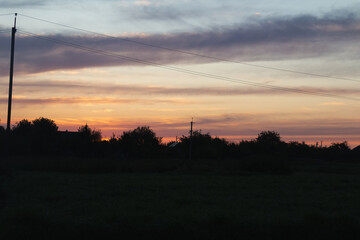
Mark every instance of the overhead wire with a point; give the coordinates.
(194, 54)
(6, 14)
(4, 32)
(183, 70)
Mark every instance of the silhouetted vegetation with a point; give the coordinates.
(88, 135)
(204, 146)
(140, 142)
(266, 153)
(2, 136)
(87, 141)
(37, 137)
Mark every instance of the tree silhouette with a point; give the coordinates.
(2, 138)
(297, 149)
(22, 128)
(343, 147)
(270, 142)
(204, 145)
(44, 125)
(38, 136)
(89, 135)
(22, 136)
(268, 137)
(44, 135)
(87, 141)
(2, 130)
(338, 151)
(141, 141)
(41, 136)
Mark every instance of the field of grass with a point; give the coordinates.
(306, 204)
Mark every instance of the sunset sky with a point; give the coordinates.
(315, 44)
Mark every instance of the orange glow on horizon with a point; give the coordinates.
(168, 130)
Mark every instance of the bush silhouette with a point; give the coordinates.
(21, 136)
(38, 136)
(89, 135)
(2, 139)
(87, 141)
(244, 148)
(341, 147)
(268, 137)
(338, 151)
(22, 128)
(41, 136)
(204, 145)
(270, 142)
(297, 150)
(44, 125)
(44, 135)
(141, 142)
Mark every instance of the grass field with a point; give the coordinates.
(306, 204)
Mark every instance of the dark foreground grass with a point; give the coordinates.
(58, 205)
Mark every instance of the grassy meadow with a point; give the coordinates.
(313, 201)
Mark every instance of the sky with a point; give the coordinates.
(236, 67)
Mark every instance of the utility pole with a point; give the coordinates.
(8, 127)
(191, 136)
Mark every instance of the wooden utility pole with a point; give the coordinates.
(191, 135)
(8, 127)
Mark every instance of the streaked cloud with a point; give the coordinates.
(265, 39)
(332, 104)
(32, 87)
(143, 3)
(22, 3)
(158, 12)
(25, 101)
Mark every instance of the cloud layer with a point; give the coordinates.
(109, 89)
(267, 39)
(24, 102)
(22, 3)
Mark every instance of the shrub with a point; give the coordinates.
(338, 151)
(140, 142)
(204, 145)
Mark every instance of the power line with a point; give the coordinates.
(5, 30)
(122, 57)
(6, 14)
(182, 70)
(195, 54)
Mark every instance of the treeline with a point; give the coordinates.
(42, 137)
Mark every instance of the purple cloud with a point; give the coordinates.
(267, 39)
